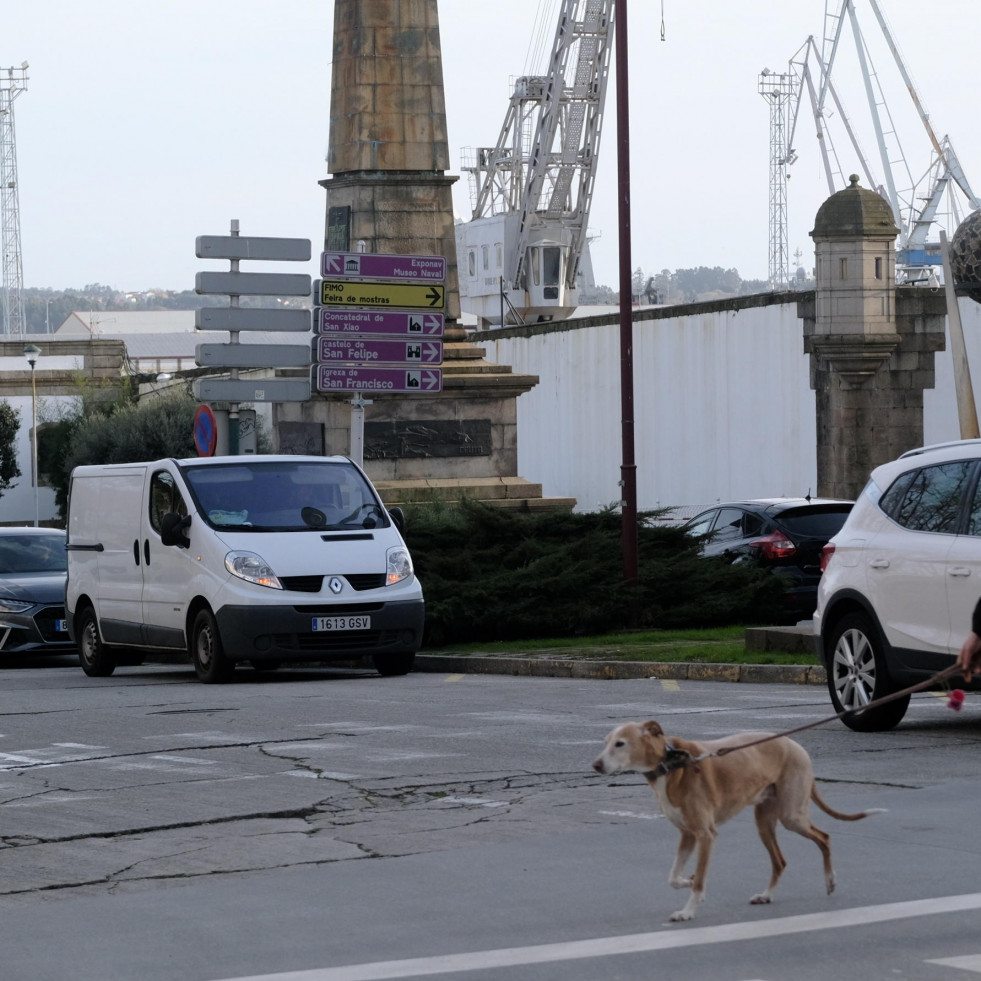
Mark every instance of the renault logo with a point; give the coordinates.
(336, 585)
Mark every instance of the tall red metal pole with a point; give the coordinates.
(628, 466)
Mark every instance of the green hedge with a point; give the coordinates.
(490, 574)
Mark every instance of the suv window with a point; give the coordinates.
(932, 499)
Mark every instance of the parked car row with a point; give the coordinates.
(890, 580)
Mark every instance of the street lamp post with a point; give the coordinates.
(32, 352)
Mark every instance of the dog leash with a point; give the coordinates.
(676, 759)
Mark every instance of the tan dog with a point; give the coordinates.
(697, 795)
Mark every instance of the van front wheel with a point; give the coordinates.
(207, 652)
(97, 661)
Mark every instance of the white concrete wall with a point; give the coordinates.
(723, 407)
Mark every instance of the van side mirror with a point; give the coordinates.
(398, 518)
(172, 527)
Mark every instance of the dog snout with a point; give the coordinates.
(598, 765)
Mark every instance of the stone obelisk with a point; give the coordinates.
(388, 150)
(389, 193)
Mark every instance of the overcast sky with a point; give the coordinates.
(148, 123)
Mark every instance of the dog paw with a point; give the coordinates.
(760, 899)
(680, 916)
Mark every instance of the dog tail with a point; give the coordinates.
(816, 797)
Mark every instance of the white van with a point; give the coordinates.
(242, 558)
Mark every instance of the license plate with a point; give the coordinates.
(342, 623)
(61, 626)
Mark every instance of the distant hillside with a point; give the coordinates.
(46, 309)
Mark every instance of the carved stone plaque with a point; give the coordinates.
(427, 438)
(301, 438)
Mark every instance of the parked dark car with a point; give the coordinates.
(785, 535)
(33, 567)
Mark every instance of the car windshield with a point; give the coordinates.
(820, 522)
(32, 553)
(284, 496)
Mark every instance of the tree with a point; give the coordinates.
(9, 426)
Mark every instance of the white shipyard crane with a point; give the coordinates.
(917, 201)
(520, 253)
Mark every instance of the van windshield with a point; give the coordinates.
(284, 496)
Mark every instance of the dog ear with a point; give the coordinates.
(653, 728)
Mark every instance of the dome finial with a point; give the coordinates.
(853, 180)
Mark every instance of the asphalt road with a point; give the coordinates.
(318, 825)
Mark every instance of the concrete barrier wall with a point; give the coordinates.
(723, 407)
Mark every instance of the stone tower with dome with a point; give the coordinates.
(871, 344)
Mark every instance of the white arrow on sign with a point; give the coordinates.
(430, 380)
(332, 263)
(432, 352)
(426, 323)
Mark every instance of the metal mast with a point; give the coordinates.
(13, 270)
(777, 91)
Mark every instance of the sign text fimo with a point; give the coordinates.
(337, 293)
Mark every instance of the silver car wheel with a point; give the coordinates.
(853, 669)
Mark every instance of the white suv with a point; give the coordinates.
(901, 580)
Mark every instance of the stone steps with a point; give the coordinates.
(511, 493)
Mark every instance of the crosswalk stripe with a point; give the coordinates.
(508, 957)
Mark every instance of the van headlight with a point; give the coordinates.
(252, 568)
(398, 565)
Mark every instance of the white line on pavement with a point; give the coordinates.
(505, 957)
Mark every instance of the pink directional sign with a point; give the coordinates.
(367, 265)
(357, 321)
(325, 378)
(331, 349)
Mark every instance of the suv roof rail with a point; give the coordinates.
(939, 446)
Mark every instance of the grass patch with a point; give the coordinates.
(722, 645)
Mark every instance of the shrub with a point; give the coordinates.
(490, 574)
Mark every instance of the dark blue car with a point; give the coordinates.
(33, 567)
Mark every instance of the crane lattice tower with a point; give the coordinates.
(777, 91)
(13, 267)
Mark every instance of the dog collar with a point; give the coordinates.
(674, 759)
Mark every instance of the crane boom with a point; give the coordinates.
(532, 191)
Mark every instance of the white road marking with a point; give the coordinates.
(480, 801)
(183, 759)
(630, 814)
(970, 963)
(673, 939)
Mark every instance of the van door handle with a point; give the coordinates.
(958, 570)
(146, 550)
(136, 551)
(879, 564)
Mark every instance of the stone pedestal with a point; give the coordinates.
(869, 390)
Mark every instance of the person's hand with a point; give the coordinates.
(969, 658)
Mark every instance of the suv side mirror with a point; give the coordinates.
(172, 527)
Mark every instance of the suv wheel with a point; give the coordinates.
(857, 675)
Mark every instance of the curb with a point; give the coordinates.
(533, 667)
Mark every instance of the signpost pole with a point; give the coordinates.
(357, 427)
(233, 339)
